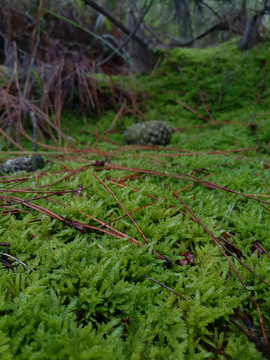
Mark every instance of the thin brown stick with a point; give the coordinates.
(268, 196)
(13, 209)
(262, 327)
(119, 233)
(242, 263)
(217, 243)
(229, 243)
(117, 23)
(154, 202)
(263, 181)
(165, 286)
(216, 152)
(98, 229)
(193, 179)
(155, 67)
(123, 235)
(111, 141)
(204, 125)
(19, 201)
(121, 207)
(19, 261)
(121, 217)
(11, 140)
(263, 249)
(206, 108)
(192, 110)
(117, 116)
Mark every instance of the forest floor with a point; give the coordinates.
(198, 222)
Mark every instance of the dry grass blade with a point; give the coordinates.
(49, 213)
(17, 107)
(152, 197)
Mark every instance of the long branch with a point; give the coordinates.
(117, 23)
(219, 26)
(131, 34)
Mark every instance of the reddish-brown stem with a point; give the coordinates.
(192, 110)
(191, 178)
(262, 327)
(121, 234)
(121, 207)
(229, 243)
(263, 181)
(165, 286)
(217, 243)
(117, 115)
(121, 217)
(241, 262)
(263, 249)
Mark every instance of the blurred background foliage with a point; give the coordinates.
(61, 54)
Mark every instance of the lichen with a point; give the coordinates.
(22, 163)
(153, 132)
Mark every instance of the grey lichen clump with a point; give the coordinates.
(26, 163)
(154, 132)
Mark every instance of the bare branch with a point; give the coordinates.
(19, 261)
(117, 23)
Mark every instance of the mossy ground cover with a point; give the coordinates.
(88, 297)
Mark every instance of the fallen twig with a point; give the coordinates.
(121, 207)
(19, 261)
(165, 286)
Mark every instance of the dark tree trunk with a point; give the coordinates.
(252, 35)
(182, 16)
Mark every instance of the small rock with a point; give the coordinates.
(153, 132)
(26, 163)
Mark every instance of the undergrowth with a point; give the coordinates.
(88, 297)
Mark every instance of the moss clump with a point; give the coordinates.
(153, 132)
(22, 163)
(86, 286)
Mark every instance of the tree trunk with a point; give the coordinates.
(252, 34)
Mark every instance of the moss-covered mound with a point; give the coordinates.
(26, 163)
(90, 296)
(153, 132)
